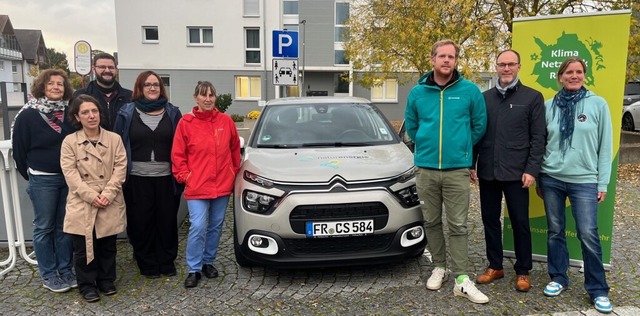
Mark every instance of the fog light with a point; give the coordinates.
(415, 233)
(256, 241)
(263, 244)
(412, 236)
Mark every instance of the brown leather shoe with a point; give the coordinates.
(523, 283)
(490, 275)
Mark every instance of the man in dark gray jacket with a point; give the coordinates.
(106, 89)
(509, 157)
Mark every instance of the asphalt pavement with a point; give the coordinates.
(392, 289)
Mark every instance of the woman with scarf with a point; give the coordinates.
(147, 126)
(94, 164)
(206, 157)
(576, 165)
(37, 135)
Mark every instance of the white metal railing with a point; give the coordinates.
(12, 211)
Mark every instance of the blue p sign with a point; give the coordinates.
(285, 44)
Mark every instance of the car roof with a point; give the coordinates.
(316, 100)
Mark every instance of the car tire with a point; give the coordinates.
(240, 258)
(627, 123)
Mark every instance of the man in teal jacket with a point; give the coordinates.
(446, 116)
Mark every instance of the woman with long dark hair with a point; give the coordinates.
(147, 126)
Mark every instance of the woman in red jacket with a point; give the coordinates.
(205, 157)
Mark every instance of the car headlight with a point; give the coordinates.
(254, 178)
(408, 196)
(257, 202)
(408, 175)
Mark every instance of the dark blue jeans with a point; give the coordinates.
(584, 206)
(53, 247)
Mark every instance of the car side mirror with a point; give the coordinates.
(405, 138)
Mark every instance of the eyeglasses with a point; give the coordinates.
(152, 85)
(112, 68)
(504, 65)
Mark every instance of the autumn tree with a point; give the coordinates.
(56, 60)
(507, 10)
(393, 38)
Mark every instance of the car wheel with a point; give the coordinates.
(240, 258)
(627, 123)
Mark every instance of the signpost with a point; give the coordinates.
(82, 58)
(285, 44)
(285, 72)
(285, 58)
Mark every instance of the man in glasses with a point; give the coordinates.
(509, 157)
(106, 89)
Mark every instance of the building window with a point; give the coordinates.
(290, 7)
(385, 91)
(166, 82)
(14, 67)
(1, 65)
(200, 36)
(341, 82)
(340, 58)
(342, 14)
(251, 8)
(248, 87)
(293, 91)
(252, 46)
(150, 34)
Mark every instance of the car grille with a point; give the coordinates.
(338, 212)
(339, 244)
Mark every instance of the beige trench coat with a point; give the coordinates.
(90, 171)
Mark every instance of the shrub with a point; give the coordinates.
(253, 115)
(237, 118)
(223, 102)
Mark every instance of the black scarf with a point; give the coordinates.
(147, 106)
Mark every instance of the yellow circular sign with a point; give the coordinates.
(83, 48)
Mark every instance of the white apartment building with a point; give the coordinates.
(230, 44)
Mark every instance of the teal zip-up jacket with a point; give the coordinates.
(445, 122)
(589, 158)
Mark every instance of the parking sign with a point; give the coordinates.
(285, 72)
(285, 44)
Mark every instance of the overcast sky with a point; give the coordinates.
(64, 22)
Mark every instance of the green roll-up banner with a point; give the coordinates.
(601, 40)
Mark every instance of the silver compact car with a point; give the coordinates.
(631, 117)
(325, 181)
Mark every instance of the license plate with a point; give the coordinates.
(341, 228)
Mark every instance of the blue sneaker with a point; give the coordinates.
(603, 305)
(70, 279)
(553, 289)
(55, 284)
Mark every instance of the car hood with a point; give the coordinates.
(322, 164)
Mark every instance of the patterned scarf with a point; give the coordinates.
(565, 101)
(147, 106)
(44, 106)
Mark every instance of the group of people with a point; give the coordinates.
(105, 159)
(508, 139)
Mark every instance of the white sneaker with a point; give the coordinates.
(468, 289)
(438, 276)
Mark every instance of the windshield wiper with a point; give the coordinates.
(336, 144)
(277, 146)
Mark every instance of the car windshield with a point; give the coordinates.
(632, 88)
(322, 125)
